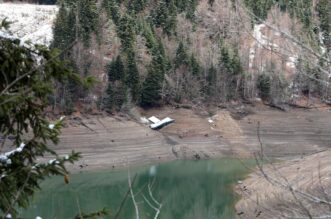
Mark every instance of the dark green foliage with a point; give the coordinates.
(264, 86)
(230, 61)
(113, 10)
(165, 16)
(132, 76)
(136, 6)
(190, 9)
(151, 41)
(181, 56)
(301, 9)
(211, 81)
(231, 69)
(151, 89)
(211, 75)
(25, 87)
(126, 32)
(187, 5)
(152, 86)
(194, 66)
(115, 70)
(76, 20)
(109, 100)
(115, 96)
(88, 19)
(116, 91)
(64, 30)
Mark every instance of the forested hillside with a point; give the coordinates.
(150, 53)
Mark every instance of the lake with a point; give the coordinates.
(186, 189)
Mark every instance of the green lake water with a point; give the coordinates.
(186, 189)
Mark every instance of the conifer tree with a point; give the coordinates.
(126, 32)
(88, 19)
(27, 76)
(115, 70)
(165, 16)
(116, 89)
(132, 76)
(151, 89)
(136, 6)
(181, 56)
(194, 66)
(113, 10)
(152, 86)
(190, 9)
(211, 81)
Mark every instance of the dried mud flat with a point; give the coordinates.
(112, 142)
(261, 198)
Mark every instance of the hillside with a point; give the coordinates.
(151, 53)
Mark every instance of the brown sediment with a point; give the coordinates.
(111, 142)
(262, 198)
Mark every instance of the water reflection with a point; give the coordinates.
(186, 189)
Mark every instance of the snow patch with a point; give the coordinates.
(29, 22)
(292, 60)
(5, 158)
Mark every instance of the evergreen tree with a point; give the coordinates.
(115, 96)
(190, 9)
(181, 56)
(64, 30)
(113, 10)
(88, 19)
(126, 32)
(116, 89)
(152, 86)
(136, 6)
(132, 76)
(25, 86)
(161, 14)
(165, 16)
(194, 66)
(171, 22)
(115, 70)
(151, 89)
(108, 101)
(151, 41)
(211, 81)
(264, 86)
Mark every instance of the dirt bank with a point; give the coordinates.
(110, 142)
(262, 198)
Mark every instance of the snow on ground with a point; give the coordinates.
(30, 22)
(262, 42)
(292, 61)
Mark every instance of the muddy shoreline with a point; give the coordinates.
(111, 142)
